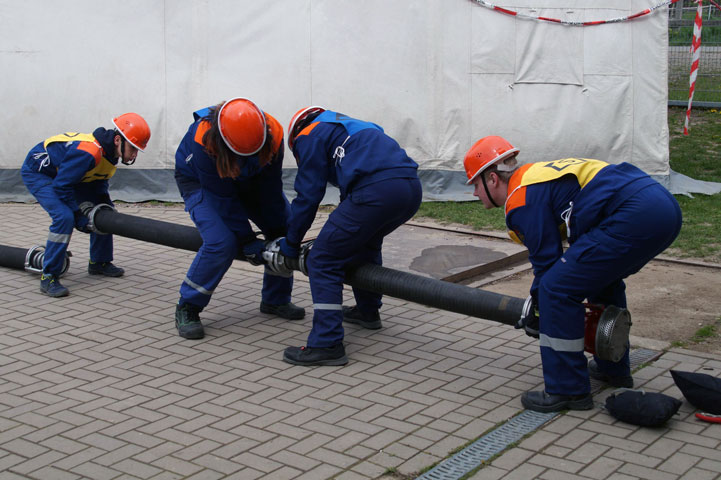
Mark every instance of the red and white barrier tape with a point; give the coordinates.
(572, 23)
(694, 45)
(696, 54)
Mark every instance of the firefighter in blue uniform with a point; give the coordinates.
(615, 218)
(379, 191)
(228, 170)
(71, 168)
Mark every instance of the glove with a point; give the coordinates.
(82, 223)
(253, 252)
(288, 249)
(105, 198)
(529, 320)
(275, 261)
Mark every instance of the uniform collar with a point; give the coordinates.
(106, 139)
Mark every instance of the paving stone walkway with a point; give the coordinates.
(98, 385)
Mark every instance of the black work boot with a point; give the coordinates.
(51, 286)
(540, 401)
(371, 321)
(287, 310)
(309, 356)
(104, 268)
(625, 381)
(187, 321)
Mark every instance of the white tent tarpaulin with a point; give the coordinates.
(436, 74)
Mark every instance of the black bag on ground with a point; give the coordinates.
(701, 390)
(648, 409)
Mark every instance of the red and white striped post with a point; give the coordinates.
(695, 50)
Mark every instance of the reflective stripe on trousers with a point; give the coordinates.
(196, 287)
(59, 237)
(562, 344)
(327, 306)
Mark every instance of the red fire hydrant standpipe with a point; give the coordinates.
(607, 329)
(609, 336)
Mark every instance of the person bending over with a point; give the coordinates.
(379, 191)
(68, 169)
(615, 218)
(228, 170)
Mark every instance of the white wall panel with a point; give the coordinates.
(436, 74)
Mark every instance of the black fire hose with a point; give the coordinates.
(30, 259)
(429, 291)
(406, 286)
(437, 293)
(104, 219)
(607, 328)
(12, 257)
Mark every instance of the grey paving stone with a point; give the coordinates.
(99, 385)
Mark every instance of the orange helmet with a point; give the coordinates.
(134, 129)
(486, 152)
(242, 126)
(297, 121)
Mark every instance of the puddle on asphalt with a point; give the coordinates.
(444, 260)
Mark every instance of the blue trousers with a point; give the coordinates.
(593, 268)
(353, 235)
(223, 225)
(63, 221)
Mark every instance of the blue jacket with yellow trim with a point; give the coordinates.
(73, 158)
(196, 170)
(546, 198)
(345, 152)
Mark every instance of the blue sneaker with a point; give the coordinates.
(105, 268)
(52, 287)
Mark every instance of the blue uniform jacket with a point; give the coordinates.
(540, 223)
(348, 154)
(195, 171)
(67, 163)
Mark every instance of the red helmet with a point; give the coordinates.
(297, 121)
(242, 126)
(486, 152)
(134, 129)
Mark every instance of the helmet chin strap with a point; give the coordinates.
(122, 152)
(488, 194)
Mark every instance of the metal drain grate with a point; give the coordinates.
(512, 431)
(487, 446)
